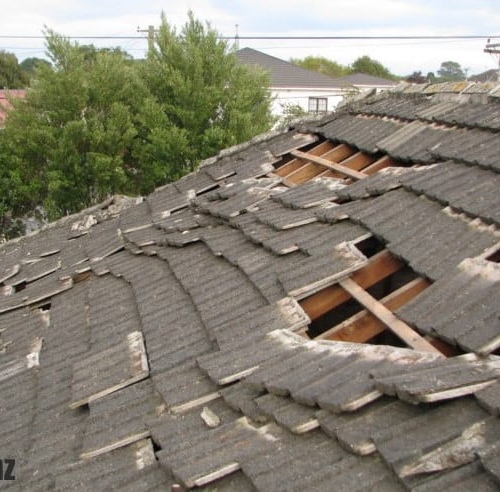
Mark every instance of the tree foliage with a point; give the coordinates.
(11, 74)
(95, 122)
(204, 100)
(28, 65)
(71, 138)
(365, 64)
(451, 71)
(322, 65)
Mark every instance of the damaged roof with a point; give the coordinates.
(313, 310)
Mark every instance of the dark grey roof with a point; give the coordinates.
(209, 335)
(285, 74)
(363, 79)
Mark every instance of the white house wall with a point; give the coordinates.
(287, 97)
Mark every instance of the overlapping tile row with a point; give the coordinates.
(418, 230)
(166, 311)
(414, 441)
(55, 430)
(458, 308)
(362, 132)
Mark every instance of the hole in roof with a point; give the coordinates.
(20, 286)
(370, 246)
(495, 257)
(45, 307)
(334, 317)
(156, 446)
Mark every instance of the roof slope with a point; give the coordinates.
(363, 79)
(313, 310)
(285, 74)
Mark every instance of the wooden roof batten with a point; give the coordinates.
(376, 315)
(398, 327)
(332, 166)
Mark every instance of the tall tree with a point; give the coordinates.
(72, 137)
(28, 65)
(365, 64)
(321, 65)
(204, 100)
(95, 122)
(451, 71)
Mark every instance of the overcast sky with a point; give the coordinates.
(275, 18)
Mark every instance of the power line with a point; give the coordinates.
(328, 38)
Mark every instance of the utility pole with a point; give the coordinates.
(237, 39)
(151, 31)
(494, 50)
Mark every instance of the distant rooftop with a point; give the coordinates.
(283, 73)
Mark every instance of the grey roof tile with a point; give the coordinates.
(465, 188)
(354, 430)
(427, 432)
(123, 364)
(418, 231)
(108, 470)
(395, 107)
(489, 398)
(312, 193)
(457, 308)
(462, 478)
(316, 272)
(454, 377)
(120, 418)
(184, 385)
(283, 73)
(361, 132)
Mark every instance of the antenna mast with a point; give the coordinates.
(494, 50)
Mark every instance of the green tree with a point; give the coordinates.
(28, 65)
(367, 65)
(11, 74)
(321, 65)
(451, 71)
(204, 100)
(71, 139)
(95, 122)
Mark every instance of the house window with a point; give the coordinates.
(318, 104)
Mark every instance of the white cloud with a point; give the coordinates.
(280, 17)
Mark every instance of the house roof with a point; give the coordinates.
(315, 309)
(4, 101)
(284, 74)
(363, 79)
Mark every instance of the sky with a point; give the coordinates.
(109, 19)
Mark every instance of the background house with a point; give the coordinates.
(292, 85)
(312, 91)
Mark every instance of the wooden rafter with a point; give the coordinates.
(358, 161)
(305, 173)
(381, 163)
(333, 166)
(364, 325)
(296, 164)
(380, 266)
(339, 153)
(398, 327)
